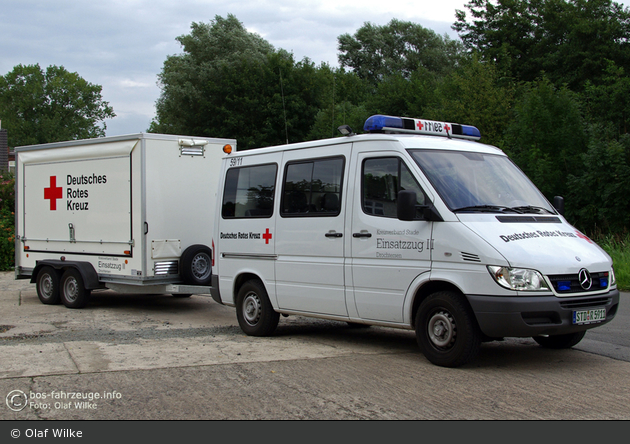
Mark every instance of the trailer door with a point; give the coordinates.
(78, 199)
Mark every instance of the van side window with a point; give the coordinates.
(313, 188)
(383, 178)
(249, 192)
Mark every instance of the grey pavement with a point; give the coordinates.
(159, 357)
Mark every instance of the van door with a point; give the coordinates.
(310, 231)
(387, 253)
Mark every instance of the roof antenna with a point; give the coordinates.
(286, 131)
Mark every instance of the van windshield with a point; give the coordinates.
(479, 182)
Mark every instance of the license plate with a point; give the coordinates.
(588, 316)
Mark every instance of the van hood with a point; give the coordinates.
(547, 244)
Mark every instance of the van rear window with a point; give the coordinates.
(249, 192)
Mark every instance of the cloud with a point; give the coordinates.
(122, 44)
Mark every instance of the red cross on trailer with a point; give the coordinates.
(53, 193)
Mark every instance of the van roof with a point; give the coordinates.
(406, 141)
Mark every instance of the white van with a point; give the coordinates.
(414, 225)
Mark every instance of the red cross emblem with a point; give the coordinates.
(53, 193)
(267, 236)
(420, 125)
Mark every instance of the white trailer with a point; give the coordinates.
(130, 213)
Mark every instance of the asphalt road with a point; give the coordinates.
(133, 357)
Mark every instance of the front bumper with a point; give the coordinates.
(518, 316)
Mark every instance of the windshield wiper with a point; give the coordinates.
(489, 209)
(531, 209)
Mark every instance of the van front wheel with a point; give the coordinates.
(254, 312)
(446, 330)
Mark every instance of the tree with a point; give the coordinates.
(232, 83)
(375, 52)
(597, 198)
(52, 106)
(475, 94)
(547, 136)
(567, 40)
(189, 81)
(608, 103)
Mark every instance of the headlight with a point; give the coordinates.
(521, 279)
(613, 281)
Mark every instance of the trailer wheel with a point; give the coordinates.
(196, 262)
(560, 341)
(73, 291)
(254, 312)
(48, 286)
(446, 330)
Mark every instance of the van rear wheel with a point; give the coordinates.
(254, 312)
(446, 330)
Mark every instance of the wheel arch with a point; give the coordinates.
(427, 289)
(241, 279)
(87, 271)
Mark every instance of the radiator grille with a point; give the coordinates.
(570, 283)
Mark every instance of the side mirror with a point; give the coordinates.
(406, 205)
(558, 204)
(406, 208)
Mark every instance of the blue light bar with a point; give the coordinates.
(406, 125)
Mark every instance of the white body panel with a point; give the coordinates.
(119, 203)
(363, 264)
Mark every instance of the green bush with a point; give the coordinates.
(7, 222)
(618, 247)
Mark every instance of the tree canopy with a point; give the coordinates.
(568, 40)
(544, 80)
(38, 106)
(376, 52)
(232, 83)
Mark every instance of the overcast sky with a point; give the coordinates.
(122, 44)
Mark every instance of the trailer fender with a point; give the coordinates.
(88, 273)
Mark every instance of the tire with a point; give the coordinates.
(254, 312)
(196, 262)
(446, 330)
(48, 286)
(558, 342)
(72, 289)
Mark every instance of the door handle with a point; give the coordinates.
(362, 234)
(333, 234)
